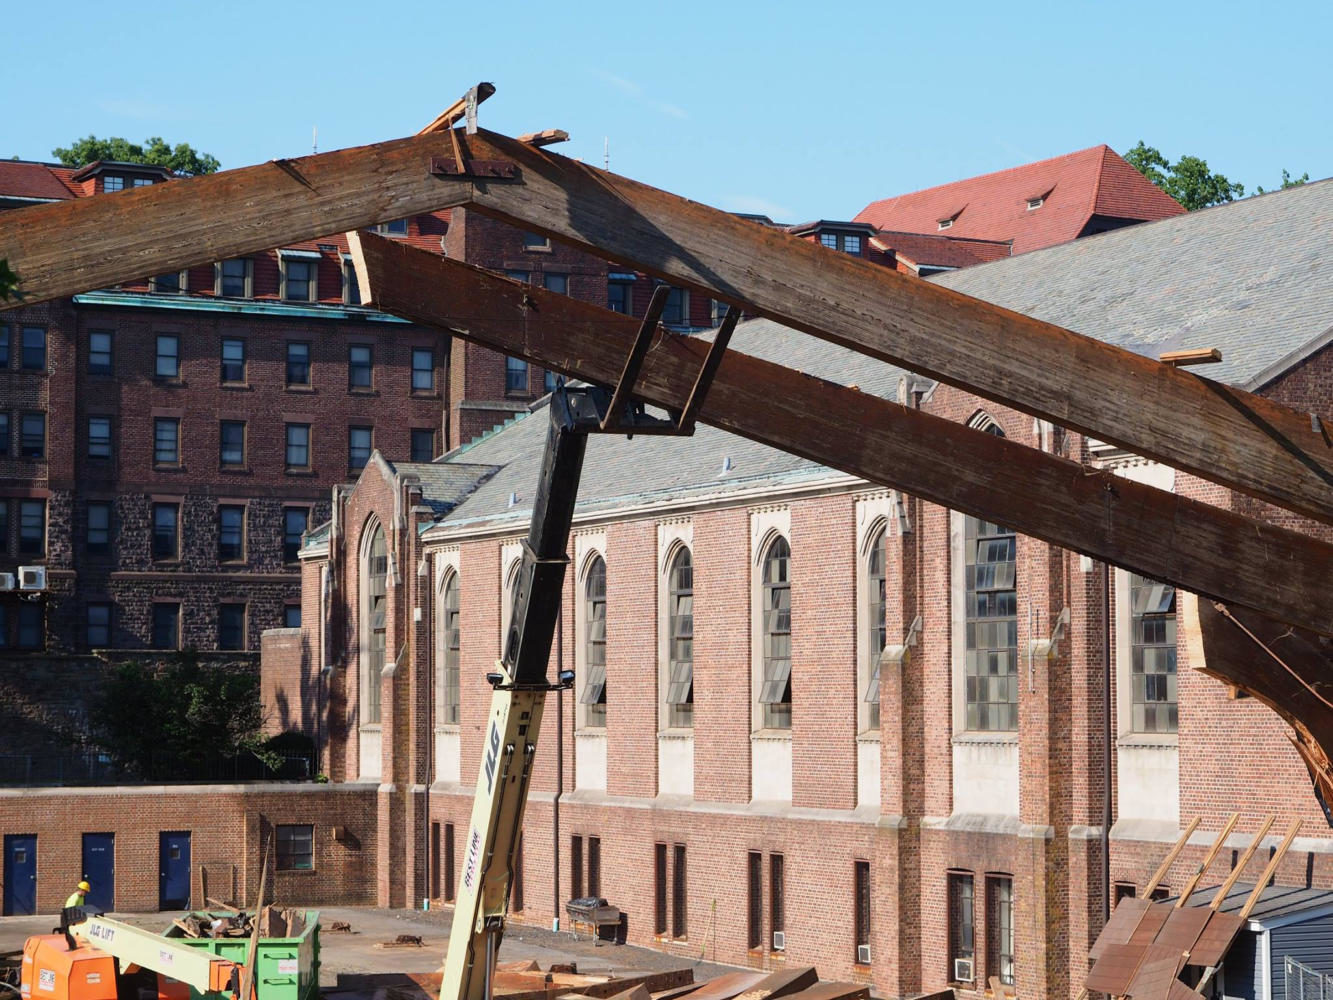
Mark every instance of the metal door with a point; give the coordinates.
(20, 874)
(173, 892)
(99, 868)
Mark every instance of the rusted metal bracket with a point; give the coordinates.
(443, 166)
(626, 416)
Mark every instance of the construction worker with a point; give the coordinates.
(79, 895)
(73, 911)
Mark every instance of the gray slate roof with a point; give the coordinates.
(444, 485)
(1276, 901)
(619, 472)
(1253, 278)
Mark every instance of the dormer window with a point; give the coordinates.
(398, 227)
(851, 244)
(829, 240)
(113, 182)
(1034, 203)
(946, 223)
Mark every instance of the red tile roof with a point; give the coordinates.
(940, 250)
(1075, 187)
(21, 179)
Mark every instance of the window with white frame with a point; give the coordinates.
(680, 624)
(1153, 655)
(593, 696)
(299, 277)
(374, 582)
(449, 641)
(875, 630)
(775, 692)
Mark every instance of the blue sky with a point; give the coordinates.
(797, 110)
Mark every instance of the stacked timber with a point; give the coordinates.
(525, 980)
(229, 922)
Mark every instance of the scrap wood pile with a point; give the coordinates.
(1169, 949)
(228, 922)
(527, 981)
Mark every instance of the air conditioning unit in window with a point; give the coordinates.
(863, 954)
(32, 578)
(779, 941)
(6, 581)
(962, 970)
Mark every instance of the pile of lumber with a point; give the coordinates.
(527, 981)
(228, 922)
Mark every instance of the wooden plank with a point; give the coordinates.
(1112, 973)
(1208, 860)
(1220, 433)
(833, 991)
(1124, 918)
(1164, 536)
(166, 227)
(1182, 928)
(781, 983)
(1170, 858)
(1152, 980)
(1220, 896)
(1269, 869)
(1215, 940)
(454, 111)
(727, 986)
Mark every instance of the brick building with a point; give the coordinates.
(810, 723)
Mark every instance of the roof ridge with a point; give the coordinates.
(484, 436)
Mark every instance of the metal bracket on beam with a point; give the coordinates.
(443, 166)
(626, 416)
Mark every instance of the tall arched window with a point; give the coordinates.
(594, 684)
(375, 570)
(450, 644)
(775, 695)
(876, 636)
(991, 649)
(680, 682)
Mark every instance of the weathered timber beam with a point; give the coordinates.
(68, 247)
(1162, 535)
(1288, 669)
(1214, 431)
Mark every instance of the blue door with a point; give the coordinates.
(99, 868)
(173, 892)
(20, 874)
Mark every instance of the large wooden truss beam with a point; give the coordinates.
(1203, 427)
(1162, 535)
(1223, 434)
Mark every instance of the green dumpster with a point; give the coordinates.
(285, 968)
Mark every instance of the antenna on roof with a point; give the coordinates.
(606, 152)
(314, 138)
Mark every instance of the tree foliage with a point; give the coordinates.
(181, 158)
(1188, 180)
(1287, 182)
(9, 282)
(175, 720)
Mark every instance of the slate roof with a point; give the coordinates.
(1253, 278)
(1076, 186)
(621, 473)
(941, 250)
(444, 485)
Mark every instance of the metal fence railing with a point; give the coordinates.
(1305, 983)
(95, 768)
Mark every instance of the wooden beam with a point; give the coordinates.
(73, 246)
(1220, 896)
(1170, 858)
(1211, 430)
(1208, 860)
(453, 112)
(1183, 359)
(1162, 535)
(1203, 427)
(1269, 870)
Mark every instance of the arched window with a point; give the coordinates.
(876, 636)
(991, 649)
(680, 681)
(450, 644)
(775, 695)
(594, 683)
(375, 569)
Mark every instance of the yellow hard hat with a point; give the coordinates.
(84, 886)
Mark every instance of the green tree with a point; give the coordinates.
(175, 719)
(1287, 182)
(9, 282)
(181, 158)
(1188, 180)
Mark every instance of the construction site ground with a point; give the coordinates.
(355, 952)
